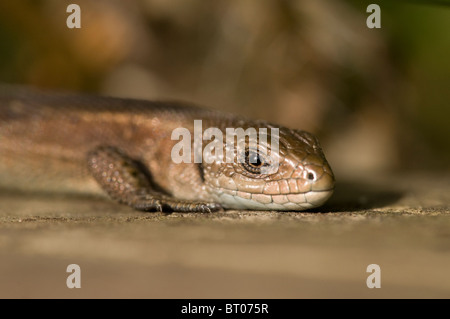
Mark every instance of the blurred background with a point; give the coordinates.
(377, 98)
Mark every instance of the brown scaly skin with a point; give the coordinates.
(78, 143)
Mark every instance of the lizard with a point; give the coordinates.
(67, 142)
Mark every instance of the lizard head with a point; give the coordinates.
(294, 175)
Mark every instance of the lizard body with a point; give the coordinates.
(93, 144)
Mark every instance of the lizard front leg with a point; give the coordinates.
(126, 180)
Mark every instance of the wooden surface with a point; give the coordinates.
(401, 223)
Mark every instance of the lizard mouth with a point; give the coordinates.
(282, 202)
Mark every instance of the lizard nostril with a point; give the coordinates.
(311, 176)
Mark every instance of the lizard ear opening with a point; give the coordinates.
(201, 172)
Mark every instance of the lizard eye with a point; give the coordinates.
(254, 161)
